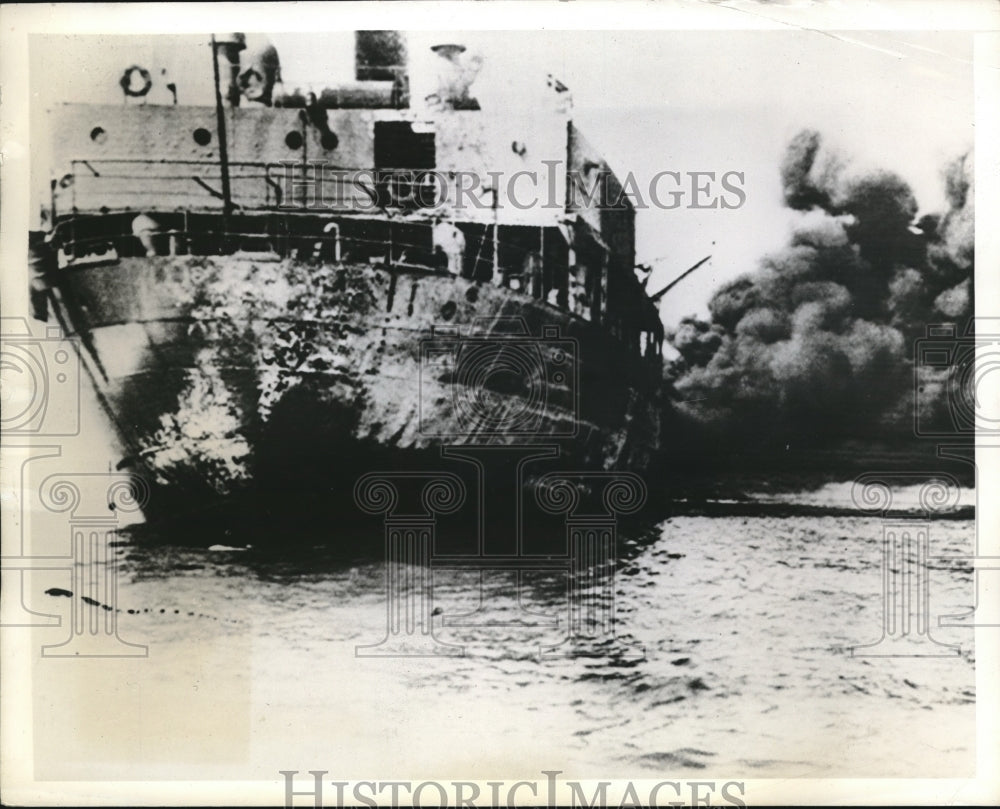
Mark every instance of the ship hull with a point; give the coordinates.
(238, 382)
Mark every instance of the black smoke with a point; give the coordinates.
(814, 347)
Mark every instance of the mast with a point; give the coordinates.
(220, 119)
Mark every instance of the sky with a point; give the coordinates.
(720, 101)
(650, 101)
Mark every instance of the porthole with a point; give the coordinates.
(329, 141)
(98, 135)
(202, 136)
(293, 140)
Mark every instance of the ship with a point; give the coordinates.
(280, 291)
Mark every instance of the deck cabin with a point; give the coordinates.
(377, 168)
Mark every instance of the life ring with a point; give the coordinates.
(126, 81)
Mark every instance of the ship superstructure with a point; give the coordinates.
(346, 270)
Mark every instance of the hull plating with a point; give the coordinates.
(223, 372)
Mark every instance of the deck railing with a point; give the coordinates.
(109, 209)
(171, 185)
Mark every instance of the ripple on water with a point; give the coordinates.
(732, 652)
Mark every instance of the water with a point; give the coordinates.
(746, 625)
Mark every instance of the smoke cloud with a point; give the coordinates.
(816, 344)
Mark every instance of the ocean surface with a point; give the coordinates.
(731, 656)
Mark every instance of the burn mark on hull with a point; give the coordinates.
(297, 359)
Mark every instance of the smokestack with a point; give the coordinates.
(455, 75)
(261, 71)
